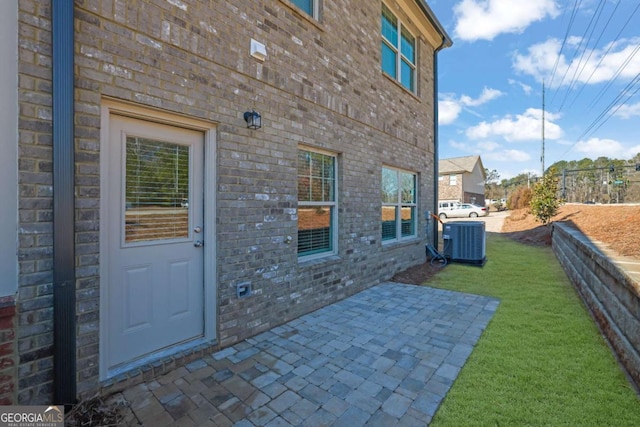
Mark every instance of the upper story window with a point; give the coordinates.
(316, 203)
(399, 204)
(398, 50)
(453, 179)
(310, 7)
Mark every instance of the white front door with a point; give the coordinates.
(155, 238)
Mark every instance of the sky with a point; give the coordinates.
(586, 53)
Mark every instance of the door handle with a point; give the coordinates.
(198, 243)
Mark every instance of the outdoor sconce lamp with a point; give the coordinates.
(253, 119)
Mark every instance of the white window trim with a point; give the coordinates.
(398, 50)
(399, 204)
(334, 205)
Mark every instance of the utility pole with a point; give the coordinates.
(542, 155)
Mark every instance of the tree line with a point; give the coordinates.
(603, 180)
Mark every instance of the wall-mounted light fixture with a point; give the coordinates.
(253, 119)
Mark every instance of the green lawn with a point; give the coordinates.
(541, 361)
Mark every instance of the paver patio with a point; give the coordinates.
(386, 356)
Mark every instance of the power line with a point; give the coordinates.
(602, 58)
(623, 97)
(592, 25)
(620, 69)
(606, 53)
(615, 77)
(607, 114)
(576, 6)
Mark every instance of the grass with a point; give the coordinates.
(541, 361)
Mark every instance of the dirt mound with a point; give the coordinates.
(617, 226)
(614, 225)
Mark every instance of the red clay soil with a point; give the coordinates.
(617, 226)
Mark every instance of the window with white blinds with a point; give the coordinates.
(156, 190)
(316, 203)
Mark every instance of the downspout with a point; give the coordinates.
(436, 170)
(64, 297)
(446, 42)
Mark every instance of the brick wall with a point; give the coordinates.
(320, 86)
(34, 327)
(446, 191)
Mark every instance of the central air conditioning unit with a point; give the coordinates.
(465, 241)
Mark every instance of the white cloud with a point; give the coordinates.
(597, 147)
(633, 151)
(449, 108)
(594, 66)
(486, 19)
(486, 146)
(461, 146)
(521, 127)
(525, 88)
(491, 151)
(487, 95)
(448, 111)
(540, 60)
(628, 111)
(517, 156)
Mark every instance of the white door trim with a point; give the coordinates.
(110, 107)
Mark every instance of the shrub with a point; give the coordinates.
(545, 201)
(520, 198)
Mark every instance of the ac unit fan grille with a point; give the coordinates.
(465, 242)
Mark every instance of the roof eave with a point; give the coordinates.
(446, 40)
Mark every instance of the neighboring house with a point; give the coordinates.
(145, 225)
(461, 179)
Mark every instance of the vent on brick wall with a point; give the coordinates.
(465, 241)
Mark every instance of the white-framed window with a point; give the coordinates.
(317, 205)
(310, 7)
(453, 179)
(398, 48)
(399, 204)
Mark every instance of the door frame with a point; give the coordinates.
(111, 107)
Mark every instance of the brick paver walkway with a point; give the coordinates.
(384, 357)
